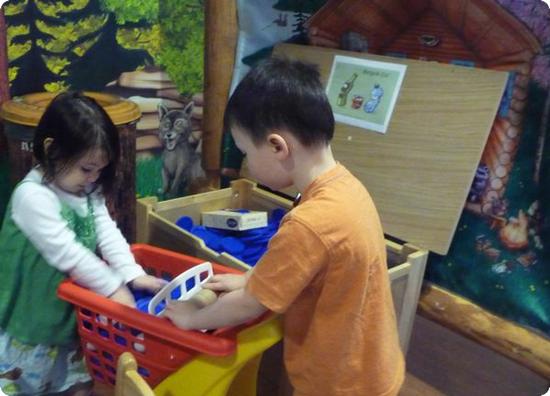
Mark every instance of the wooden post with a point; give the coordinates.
(221, 30)
(125, 196)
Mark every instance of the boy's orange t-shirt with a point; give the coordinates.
(326, 270)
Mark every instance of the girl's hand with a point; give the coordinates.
(149, 283)
(123, 295)
(225, 283)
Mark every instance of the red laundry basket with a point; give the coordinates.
(107, 328)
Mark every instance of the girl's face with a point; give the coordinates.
(78, 178)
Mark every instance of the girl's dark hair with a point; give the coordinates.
(77, 124)
(281, 93)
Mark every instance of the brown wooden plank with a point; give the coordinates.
(450, 310)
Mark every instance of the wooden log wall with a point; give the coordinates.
(463, 316)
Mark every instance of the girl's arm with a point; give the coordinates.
(113, 246)
(116, 251)
(36, 211)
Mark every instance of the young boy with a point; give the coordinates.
(325, 269)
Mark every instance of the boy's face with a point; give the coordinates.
(83, 173)
(264, 161)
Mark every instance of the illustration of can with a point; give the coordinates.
(357, 101)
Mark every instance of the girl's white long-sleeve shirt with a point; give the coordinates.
(36, 210)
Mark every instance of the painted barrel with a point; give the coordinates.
(21, 115)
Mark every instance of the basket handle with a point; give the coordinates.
(165, 294)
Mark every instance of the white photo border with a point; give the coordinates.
(394, 67)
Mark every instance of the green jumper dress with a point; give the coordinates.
(39, 350)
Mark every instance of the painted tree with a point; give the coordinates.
(27, 68)
(138, 24)
(4, 81)
(106, 58)
(54, 45)
(302, 10)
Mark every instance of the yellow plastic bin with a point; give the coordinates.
(21, 115)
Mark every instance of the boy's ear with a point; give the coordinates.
(47, 142)
(278, 145)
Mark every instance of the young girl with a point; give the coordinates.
(55, 223)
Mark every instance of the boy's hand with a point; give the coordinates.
(149, 283)
(226, 283)
(123, 295)
(179, 311)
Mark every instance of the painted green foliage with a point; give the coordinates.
(132, 10)
(182, 42)
(55, 44)
(27, 51)
(178, 28)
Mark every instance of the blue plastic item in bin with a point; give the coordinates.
(143, 305)
(185, 222)
(248, 246)
(233, 245)
(212, 240)
(278, 214)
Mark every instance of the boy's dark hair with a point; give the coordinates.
(77, 124)
(281, 93)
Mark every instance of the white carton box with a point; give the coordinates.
(233, 219)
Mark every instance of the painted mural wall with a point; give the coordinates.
(149, 51)
(500, 255)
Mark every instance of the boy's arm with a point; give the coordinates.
(233, 308)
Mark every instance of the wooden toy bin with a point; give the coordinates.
(156, 220)
(156, 226)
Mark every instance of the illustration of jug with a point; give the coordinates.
(345, 90)
(375, 96)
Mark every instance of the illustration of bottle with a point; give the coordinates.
(375, 96)
(345, 90)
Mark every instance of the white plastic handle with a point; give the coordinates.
(179, 281)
